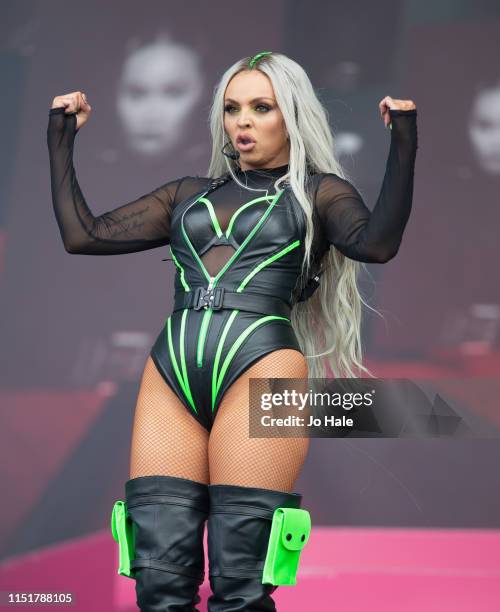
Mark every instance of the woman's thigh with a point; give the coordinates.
(166, 439)
(235, 457)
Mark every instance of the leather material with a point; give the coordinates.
(168, 515)
(259, 233)
(201, 352)
(272, 335)
(239, 526)
(249, 302)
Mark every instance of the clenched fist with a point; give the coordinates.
(389, 103)
(75, 102)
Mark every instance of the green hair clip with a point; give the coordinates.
(257, 57)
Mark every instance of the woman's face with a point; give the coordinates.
(250, 109)
(484, 130)
(158, 90)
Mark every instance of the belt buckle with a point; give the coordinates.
(209, 298)
(218, 298)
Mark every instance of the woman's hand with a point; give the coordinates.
(389, 103)
(75, 102)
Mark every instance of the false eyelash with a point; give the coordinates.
(229, 106)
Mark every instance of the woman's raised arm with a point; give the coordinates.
(373, 237)
(139, 225)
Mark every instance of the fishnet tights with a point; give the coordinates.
(234, 457)
(167, 440)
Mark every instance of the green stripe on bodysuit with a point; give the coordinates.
(195, 254)
(241, 209)
(232, 351)
(181, 269)
(265, 263)
(201, 338)
(215, 220)
(183, 358)
(213, 216)
(220, 346)
(182, 383)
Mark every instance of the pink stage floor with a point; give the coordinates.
(345, 570)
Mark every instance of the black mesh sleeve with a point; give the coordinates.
(139, 225)
(373, 237)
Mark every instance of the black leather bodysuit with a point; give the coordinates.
(238, 253)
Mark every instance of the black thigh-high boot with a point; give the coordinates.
(167, 516)
(239, 526)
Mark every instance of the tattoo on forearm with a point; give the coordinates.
(127, 222)
(126, 229)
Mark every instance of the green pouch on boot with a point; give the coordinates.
(290, 531)
(121, 528)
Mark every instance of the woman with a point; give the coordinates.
(248, 304)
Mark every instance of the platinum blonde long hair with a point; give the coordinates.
(328, 324)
